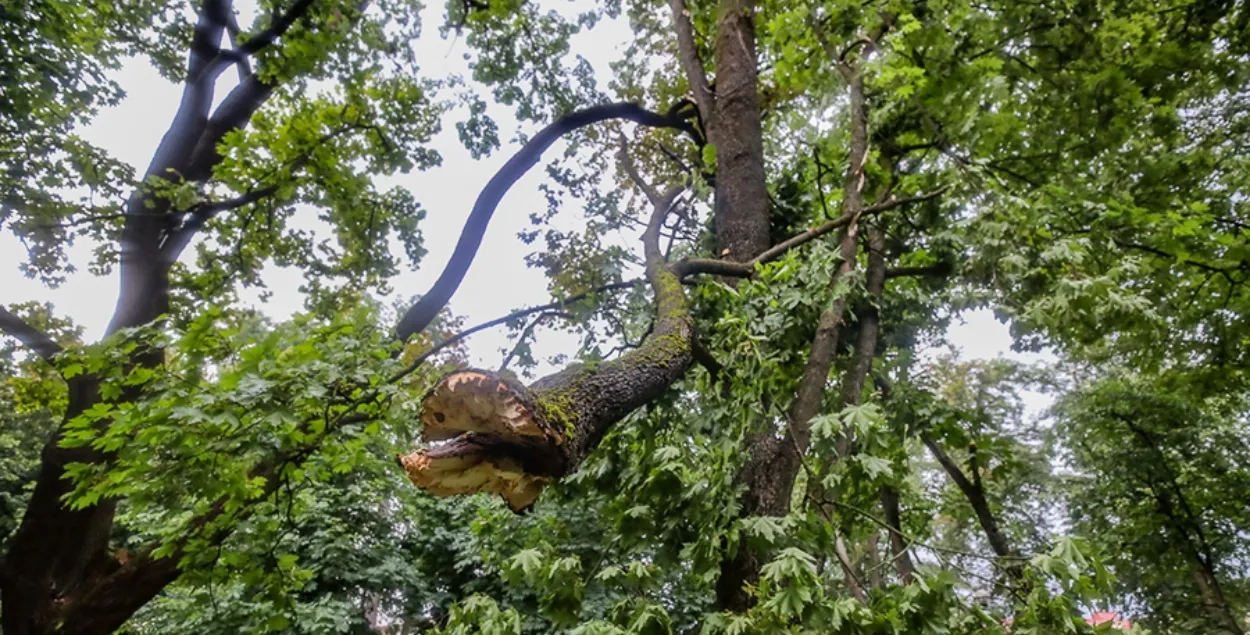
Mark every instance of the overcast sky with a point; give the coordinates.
(498, 282)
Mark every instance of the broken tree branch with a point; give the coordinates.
(498, 436)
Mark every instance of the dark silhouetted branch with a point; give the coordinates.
(31, 337)
(423, 312)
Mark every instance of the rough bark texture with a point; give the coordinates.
(733, 123)
(741, 218)
(773, 463)
(524, 437)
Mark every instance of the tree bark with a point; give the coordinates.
(742, 205)
(732, 119)
(900, 551)
(773, 463)
(547, 430)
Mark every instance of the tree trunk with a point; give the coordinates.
(742, 204)
(900, 551)
(773, 463)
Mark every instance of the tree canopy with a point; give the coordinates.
(758, 233)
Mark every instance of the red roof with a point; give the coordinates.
(1102, 617)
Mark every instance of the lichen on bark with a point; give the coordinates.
(489, 434)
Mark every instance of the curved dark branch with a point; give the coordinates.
(546, 430)
(31, 337)
(424, 311)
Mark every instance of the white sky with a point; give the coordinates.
(496, 284)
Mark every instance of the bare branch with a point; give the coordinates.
(423, 312)
(688, 54)
(976, 498)
(529, 330)
(31, 337)
(559, 304)
(631, 169)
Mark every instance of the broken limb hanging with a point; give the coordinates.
(491, 434)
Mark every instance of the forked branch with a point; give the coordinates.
(424, 311)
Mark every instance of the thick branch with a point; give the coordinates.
(976, 498)
(243, 64)
(31, 337)
(688, 55)
(118, 595)
(423, 312)
(233, 113)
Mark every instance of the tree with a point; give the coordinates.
(822, 187)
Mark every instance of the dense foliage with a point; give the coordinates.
(842, 180)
